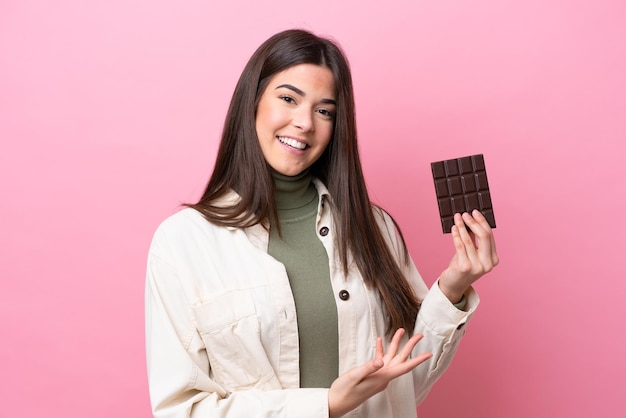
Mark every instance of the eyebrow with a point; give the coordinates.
(301, 93)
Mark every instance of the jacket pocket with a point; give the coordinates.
(231, 333)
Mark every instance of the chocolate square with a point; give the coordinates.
(461, 186)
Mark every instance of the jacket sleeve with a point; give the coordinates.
(441, 323)
(443, 327)
(179, 375)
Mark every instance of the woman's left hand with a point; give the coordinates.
(475, 254)
(359, 384)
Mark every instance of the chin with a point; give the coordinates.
(291, 171)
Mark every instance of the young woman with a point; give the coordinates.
(284, 292)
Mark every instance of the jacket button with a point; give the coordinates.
(324, 231)
(344, 295)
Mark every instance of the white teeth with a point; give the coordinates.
(292, 142)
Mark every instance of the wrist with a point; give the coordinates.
(454, 296)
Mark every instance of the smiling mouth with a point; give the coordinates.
(292, 142)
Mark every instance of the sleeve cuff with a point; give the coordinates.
(441, 315)
(307, 403)
(460, 305)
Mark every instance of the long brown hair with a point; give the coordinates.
(240, 166)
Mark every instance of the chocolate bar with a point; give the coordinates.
(461, 186)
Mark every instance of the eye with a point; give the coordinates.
(326, 113)
(287, 99)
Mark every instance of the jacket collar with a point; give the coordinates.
(259, 234)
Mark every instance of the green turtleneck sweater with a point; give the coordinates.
(306, 262)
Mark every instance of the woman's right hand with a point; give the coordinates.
(357, 385)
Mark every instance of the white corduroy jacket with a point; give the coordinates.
(221, 331)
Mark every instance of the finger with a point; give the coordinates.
(485, 241)
(460, 260)
(408, 348)
(393, 346)
(467, 240)
(494, 253)
(407, 366)
(475, 224)
(456, 235)
(485, 232)
(379, 349)
(416, 361)
(378, 360)
(480, 219)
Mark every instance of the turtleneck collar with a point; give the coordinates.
(293, 192)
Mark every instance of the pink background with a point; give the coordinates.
(110, 113)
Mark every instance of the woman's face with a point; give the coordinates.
(295, 117)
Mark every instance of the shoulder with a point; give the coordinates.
(182, 220)
(183, 230)
(189, 219)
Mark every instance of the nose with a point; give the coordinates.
(303, 119)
